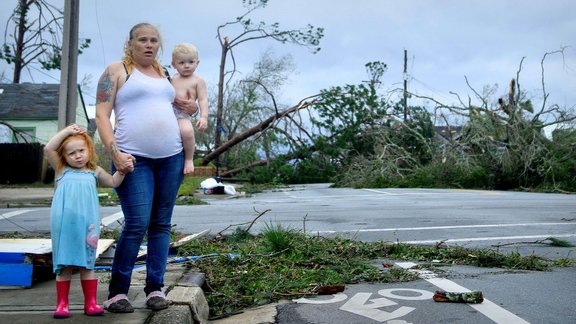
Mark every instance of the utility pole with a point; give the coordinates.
(405, 101)
(68, 97)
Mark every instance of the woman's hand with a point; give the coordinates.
(124, 162)
(188, 106)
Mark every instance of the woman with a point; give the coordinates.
(147, 133)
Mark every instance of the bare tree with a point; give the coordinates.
(506, 135)
(36, 38)
(251, 31)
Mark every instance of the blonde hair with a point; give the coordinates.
(127, 58)
(184, 48)
(92, 157)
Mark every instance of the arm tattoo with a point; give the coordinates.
(113, 149)
(105, 87)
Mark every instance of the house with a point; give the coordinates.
(32, 111)
(448, 134)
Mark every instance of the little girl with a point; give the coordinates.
(75, 215)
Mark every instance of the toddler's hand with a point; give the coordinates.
(202, 124)
(129, 165)
(75, 129)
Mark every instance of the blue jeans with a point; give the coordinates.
(147, 196)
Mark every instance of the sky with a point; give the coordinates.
(446, 41)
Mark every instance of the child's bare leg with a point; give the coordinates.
(189, 142)
(87, 274)
(65, 274)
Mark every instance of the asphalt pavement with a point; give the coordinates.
(511, 296)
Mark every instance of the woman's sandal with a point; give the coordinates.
(119, 304)
(156, 300)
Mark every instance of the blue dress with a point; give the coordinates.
(75, 220)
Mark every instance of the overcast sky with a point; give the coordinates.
(446, 40)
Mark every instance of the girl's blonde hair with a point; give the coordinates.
(92, 157)
(127, 58)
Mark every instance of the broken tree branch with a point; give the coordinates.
(249, 227)
(254, 130)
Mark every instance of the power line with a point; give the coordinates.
(99, 31)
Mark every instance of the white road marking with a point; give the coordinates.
(399, 229)
(336, 298)
(14, 213)
(111, 219)
(382, 192)
(320, 198)
(488, 308)
(361, 304)
(427, 192)
(304, 197)
(494, 238)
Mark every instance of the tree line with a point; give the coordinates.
(355, 134)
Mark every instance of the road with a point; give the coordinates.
(470, 218)
(465, 217)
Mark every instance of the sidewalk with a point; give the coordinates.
(36, 304)
(182, 286)
(24, 197)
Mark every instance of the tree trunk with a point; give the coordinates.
(230, 173)
(220, 103)
(22, 13)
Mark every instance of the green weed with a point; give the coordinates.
(283, 263)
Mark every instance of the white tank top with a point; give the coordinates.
(145, 122)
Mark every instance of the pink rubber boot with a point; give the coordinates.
(90, 289)
(62, 291)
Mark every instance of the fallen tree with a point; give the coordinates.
(261, 127)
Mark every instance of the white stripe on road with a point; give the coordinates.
(428, 192)
(319, 198)
(14, 213)
(496, 238)
(288, 193)
(398, 229)
(111, 219)
(488, 308)
(382, 192)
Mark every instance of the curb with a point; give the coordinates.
(189, 306)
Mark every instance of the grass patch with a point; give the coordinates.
(189, 185)
(279, 263)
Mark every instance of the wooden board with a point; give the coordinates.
(189, 238)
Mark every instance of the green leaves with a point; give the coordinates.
(281, 263)
(284, 263)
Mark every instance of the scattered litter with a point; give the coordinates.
(214, 186)
(180, 259)
(189, 238)
(331, 290)
(473, 297)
